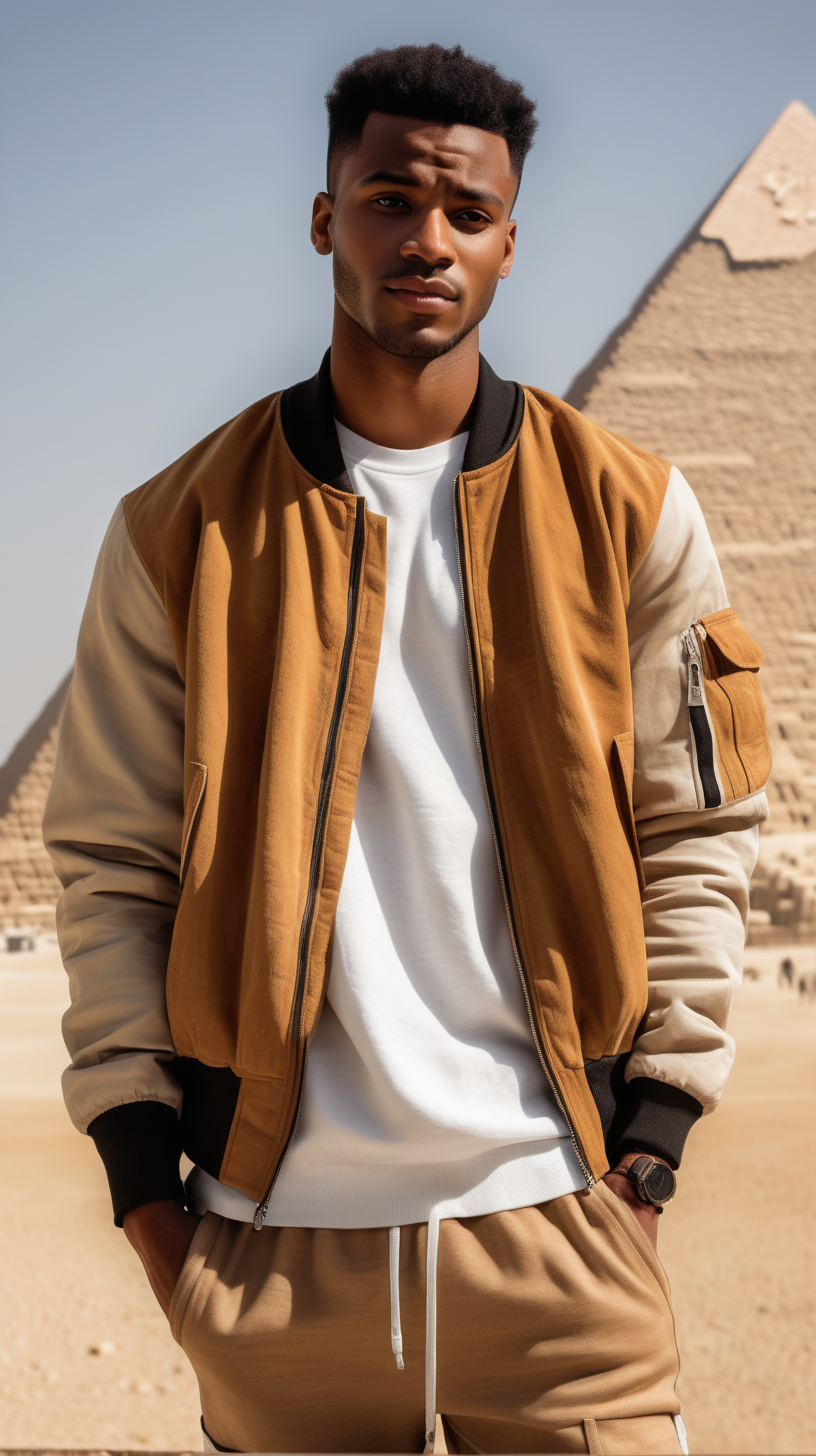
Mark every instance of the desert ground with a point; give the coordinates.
(87, 1359)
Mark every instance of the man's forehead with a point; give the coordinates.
(406, 144)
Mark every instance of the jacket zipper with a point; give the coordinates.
(701, 730)
(324, 795)
(488, 788)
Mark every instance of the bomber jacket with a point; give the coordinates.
(204, 790)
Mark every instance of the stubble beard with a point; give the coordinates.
(404, 345)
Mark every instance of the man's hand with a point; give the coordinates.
(645, 1214)
(161, 1234)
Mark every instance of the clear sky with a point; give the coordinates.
(159, 163)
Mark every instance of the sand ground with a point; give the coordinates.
(86, 1360)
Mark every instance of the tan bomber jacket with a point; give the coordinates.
(210, 750)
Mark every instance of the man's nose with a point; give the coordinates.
(431, 239)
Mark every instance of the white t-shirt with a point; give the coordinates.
(424, 1089)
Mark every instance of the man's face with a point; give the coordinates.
(419, 229)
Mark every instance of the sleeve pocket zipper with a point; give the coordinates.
(706, 778)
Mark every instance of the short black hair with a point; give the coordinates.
(434, 84)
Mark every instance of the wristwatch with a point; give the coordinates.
(653, 1181)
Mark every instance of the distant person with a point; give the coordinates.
(786, 971)
(807, 987)
(411, 732)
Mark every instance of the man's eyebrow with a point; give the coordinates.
(402, 179)
(469, 195)
(398, 179)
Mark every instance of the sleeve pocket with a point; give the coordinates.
(731, 661)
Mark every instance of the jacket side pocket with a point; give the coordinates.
(623, 768)
(736, 709)
(195, 799)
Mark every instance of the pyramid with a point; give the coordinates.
(715, 369)
(28, 885)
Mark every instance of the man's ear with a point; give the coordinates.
(321, 223)
(509, 250)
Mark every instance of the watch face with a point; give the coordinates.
(659, 1182)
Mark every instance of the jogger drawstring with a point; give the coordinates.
(393, 1270)
(430, 1317)
(430, 1329)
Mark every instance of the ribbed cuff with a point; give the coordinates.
(140, 1145)
(656, 1118)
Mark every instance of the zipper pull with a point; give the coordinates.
(695, 667)
(261, 1212)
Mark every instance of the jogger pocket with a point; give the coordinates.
(729, 740)
(200, 1245)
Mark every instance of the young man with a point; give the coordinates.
(411, 734)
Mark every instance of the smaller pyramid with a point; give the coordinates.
(768, 212)
(28, 886)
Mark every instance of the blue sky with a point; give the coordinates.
(159, 162)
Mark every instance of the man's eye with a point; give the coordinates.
(471, 216)
(393, 203)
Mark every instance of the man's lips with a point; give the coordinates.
(428, 295)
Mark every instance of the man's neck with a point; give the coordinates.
(404, 404)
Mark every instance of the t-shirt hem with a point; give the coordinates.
(380, 1196)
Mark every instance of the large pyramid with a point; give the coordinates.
(715, 368)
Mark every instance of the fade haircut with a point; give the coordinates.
(434, 84)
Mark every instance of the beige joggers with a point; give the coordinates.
(554, 1334)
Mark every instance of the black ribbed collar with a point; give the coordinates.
(307, 417)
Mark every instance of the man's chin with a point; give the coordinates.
(417, 343)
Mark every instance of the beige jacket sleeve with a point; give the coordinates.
(113, 830)
(697, 862)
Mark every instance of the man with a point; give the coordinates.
(411, 735)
